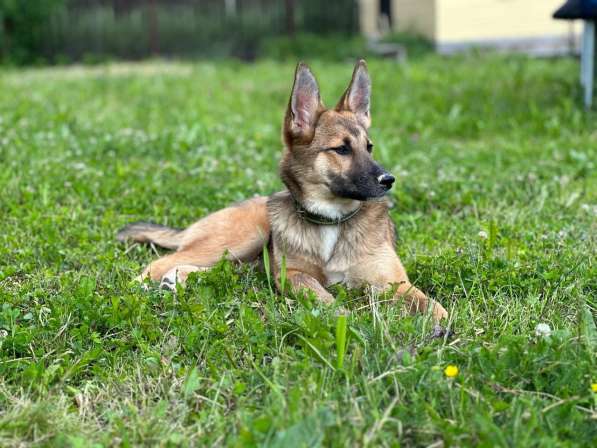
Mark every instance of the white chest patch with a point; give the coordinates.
(329, 238)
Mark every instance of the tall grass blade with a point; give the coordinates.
(341, 326)
(283, 275)
(266, 266)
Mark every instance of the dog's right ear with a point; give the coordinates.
(304, 106)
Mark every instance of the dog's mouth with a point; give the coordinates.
(361, 195)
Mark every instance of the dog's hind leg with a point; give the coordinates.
(239, 232)
(158, 268)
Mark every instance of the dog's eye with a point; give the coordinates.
(343, 150)
(369, 146)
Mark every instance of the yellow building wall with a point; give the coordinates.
(368, 17)
(445, 21)
(416, 16)
(479, 20)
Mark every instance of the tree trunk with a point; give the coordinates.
(154, 36)
(7, 32)
(290, 24)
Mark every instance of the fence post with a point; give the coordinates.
(290, 24)
(154, 36)
(587, 62)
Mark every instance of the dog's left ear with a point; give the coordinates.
(357, 97)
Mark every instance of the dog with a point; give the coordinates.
(331, 224)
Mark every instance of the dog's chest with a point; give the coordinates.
(334, 265)
(328, 238)
(333, 249)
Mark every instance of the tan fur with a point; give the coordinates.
(363, 255)
(240, 231)
(326, 181)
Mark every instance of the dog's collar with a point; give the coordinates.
(321, 220)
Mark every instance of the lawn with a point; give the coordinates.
(495, 206)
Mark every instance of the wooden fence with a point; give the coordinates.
(133, 29)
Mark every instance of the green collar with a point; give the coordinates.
(315, 218)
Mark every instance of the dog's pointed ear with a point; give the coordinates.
(357, 97)
(304, 106)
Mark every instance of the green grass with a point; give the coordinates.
(479, 144)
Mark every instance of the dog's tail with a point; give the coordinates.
(148, 232)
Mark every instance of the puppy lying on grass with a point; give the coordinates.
(331, 225)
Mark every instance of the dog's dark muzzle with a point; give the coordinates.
(363, 184)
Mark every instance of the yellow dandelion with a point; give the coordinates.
(451, 371)
(594, 387)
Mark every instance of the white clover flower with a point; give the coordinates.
(79, 166)
(591, 209)
(483, 235)
(543, 330)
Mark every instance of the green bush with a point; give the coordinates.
(182, 31)
(23, 27)
(416, 45)
(58, 31)
(332, 47)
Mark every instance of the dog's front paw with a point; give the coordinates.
(438, 311)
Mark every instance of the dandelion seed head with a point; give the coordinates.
(543, 330)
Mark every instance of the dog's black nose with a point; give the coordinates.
(386, 180)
